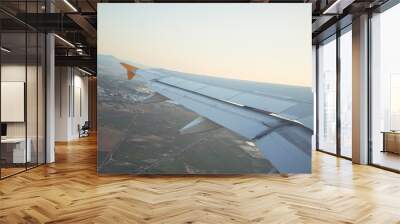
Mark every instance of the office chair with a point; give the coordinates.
(84, 130)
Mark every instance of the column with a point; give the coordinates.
(360, 90)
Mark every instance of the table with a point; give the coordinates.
(19, 155)
(391, 141)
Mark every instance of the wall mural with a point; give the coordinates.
(204, 88)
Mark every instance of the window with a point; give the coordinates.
(385, 89)
(394, 102)
(346, 93)
(327, 96)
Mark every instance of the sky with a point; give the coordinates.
(259, 42)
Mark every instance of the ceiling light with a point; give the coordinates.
(5, 50)
(70, 5)
(79, 51)
(337, 7)
(64, 40)
(84, 71)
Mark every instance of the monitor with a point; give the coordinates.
(3, 129)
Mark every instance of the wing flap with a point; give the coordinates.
(286, 155)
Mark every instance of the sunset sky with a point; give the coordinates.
(258, 42)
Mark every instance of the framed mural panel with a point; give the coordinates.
(204, 88)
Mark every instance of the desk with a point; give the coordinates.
(18, 149)
(391, 141)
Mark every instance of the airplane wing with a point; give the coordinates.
(279, 125)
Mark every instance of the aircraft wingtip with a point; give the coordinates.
(130, 70)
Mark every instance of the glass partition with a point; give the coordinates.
(14, 153)
(22, 92)
(31, 100)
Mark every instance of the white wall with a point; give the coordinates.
(12, 73)
(71, 93)
(80, 109)
(62, 82)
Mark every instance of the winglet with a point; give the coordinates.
(130, 69)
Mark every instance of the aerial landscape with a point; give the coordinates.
(140, 135)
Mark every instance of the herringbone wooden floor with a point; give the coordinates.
(70, 191)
